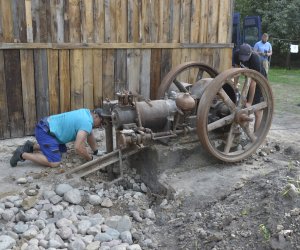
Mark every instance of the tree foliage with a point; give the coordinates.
(280, 19)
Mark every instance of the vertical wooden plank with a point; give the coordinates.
(145, 73)
(87, 21)
(60, 20)
(213, 16)
(155, 72)
(176, 57)
(185, 21)
(203, 22)
(166, 62)
(41, 83)
(225, 22)
(74, 21)
(166, 22)
(19, 20)
(1, 25)
(176, 10)
(13, 81)
(28, 21)
(28, 90)
(144, 15)
(66, 22)
(97, 72)
(54, 106)
(88, 79)
(65, 80)
(121, 70)
(110, 21)
(108, 73)
(99, 21)
(133, 21)
(4, 119)
(76, 66)
(226, 59)
(121, 21)
(195, 20)
(53, 21)
(7, 21)
(133, 69)
(45, 21)
(36, 26)
(154, 20)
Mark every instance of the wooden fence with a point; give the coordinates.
(59, 55)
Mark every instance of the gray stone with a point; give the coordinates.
(43, 243)
(63, 222)
(136, 216)
(119, 247)
(103, 237)
(120, 223)
(6, 242)
(93, 246)
(61, 189)
(88, 239)
(30, 233)
(9, 204)
(126, 237)
(134, 247)
(55, 244)
(94, 230)
(111, 243)
(31, 214)
(12, 198)
(40, 224)
(65, 232)
(8, 214)
(104, 248)
(48, 194)
(113, 233)
(77, 244)
(83, 226)
(106, 202)
(55, 199)
(73, 196)
(20, 227)
(95, 200)
(96, 219)
(149, 213)
(22, 180)
(144, 188)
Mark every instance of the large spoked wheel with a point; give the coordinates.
(183, 76)
(237, 133)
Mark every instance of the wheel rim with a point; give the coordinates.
(189, 72)
(239, 139)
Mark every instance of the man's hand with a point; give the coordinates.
(98, 152)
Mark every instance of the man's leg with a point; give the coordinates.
(40, 159)
(266, 65)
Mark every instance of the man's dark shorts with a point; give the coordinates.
(49, 145)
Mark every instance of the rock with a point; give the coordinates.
(9, 204)
(106, 202)
(149, 213)
(61, 189)
(95, 200)
(136, 216)
(113, 233)
(31, 214)
(8, 214)
(292, 191)
(134, 247)
(20, 227)
(65, 233)
(63, 222)
(126, 237)
(295, 212)
(48, 194)
(6, 242)
(30, 233)
(73, 196)
(29, 202)
(55, 199)
(119, 247)
(120, 223)
(83, 226)
(77, 244)
(103, 237)
(144, 188)
(93, 246)
(94, 230)
(22, 180)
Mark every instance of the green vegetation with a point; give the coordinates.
(265, 232)
(286, 89)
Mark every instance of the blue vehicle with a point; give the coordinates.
(249, 32)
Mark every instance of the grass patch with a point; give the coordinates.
(286, 89)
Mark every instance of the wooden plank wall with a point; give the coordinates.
(60, 55)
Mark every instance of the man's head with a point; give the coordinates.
(98, 118)
(264, 37)
(245, 52)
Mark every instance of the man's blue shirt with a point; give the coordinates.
(66, 125)
(264, 48)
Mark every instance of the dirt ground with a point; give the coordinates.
(250, 205)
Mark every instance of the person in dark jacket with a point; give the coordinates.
(245, 57)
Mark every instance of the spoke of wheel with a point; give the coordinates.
(251, 135)
(244, 92)
(230, 138)
(180, 86)
(226, 99)
(220, 123)
(256, 107)
(199, 75)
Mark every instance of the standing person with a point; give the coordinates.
(247, 58)
(264, 49)
(53, 132)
